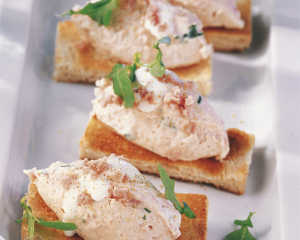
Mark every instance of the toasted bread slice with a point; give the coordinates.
(232, 39)
(230, 174)
(77, 61)
(191, 229)
(224, 39)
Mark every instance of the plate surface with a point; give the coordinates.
(51, 117)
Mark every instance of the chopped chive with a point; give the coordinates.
(146, 209)
(199, 99)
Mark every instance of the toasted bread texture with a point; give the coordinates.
(227, 39)
(231, 174)
(232, 39)
(191, 229)
(76, 60)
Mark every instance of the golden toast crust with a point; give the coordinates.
(191, 229)
(76, 60)
(231, 174)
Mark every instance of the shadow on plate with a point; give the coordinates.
(261, 25)
(234, 82)
(261, 174)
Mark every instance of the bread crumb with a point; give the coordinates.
(233, 115)
(241, 122)
(60, 131)
(25, 157)
(161, 186)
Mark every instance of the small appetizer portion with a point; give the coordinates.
(168, 117)
(154, 110)
(137, 25)
(106, 198)
(160, 112)
(214, 13)
(88, 46)
(227, 24)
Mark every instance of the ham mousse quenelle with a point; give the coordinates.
(137, 25)
(227, 24)
(103, 33)
(166, 115)
(149, 114)
(214, 13)
(106, 198)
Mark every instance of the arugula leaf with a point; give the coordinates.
(99, 11)
(242, 233)
(122, 82)
(157, 68)
(122, 79)
(31, 219)
(132, 70)
(170, 194)
(58, 225)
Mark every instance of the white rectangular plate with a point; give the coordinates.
(51, 117)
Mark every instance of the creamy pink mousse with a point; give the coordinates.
(107, 199)
(137, 24)
(169, 117)
(214, 13)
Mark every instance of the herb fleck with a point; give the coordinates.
(144, 217)
(146, 209)
(128, 136)
(193, 32)
(199, 99)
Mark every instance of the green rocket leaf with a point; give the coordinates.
(170, 194)
(157, 68)
(242, 233)
(31, 219)
(99, 11)
(122, 82)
